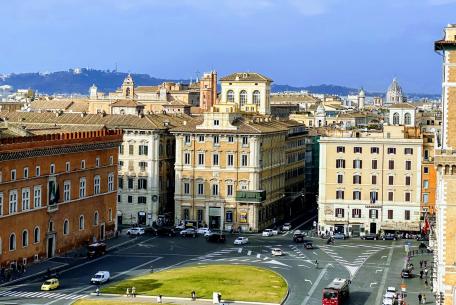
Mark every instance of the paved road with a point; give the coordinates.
(372, 266)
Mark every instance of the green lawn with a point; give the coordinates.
(112, 302)
(239, 282)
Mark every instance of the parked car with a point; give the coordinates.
(390, 236)
(308, 245)
(100, 277)
(203, 231)
(135, 231)
(370, 236)
(276, 252)
(96, 249)
(275, 231)
(286, 226)
(241, 241)
(188, 232)
(50, 284)
(180, 226)
(216, 237)
(406, 273)
(267, 232)
(339, 235)
(391, 292)
(164, 231)
(298, 238)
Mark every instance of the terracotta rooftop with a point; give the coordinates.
(246, 77)
(126, 103)
(402, 106)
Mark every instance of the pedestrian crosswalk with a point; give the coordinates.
(39, 295)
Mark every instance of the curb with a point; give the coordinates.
(288, 293)
(57, 269)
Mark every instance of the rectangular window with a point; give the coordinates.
(408, 165)
(37, 196)
(373, 213)
(340, 178)
(13, 175)
(66, 191)
(142, 166)
(356, 213)
(426, 170)
(97, 162)
(25, 199)
(375, 150)
(201, 159)
(216, 140)
(67, 166)
(357, 150)
(425, 184)
(356, 195)
(200, 215)
(340, 163)
(407, 214)
(408, 180)
(390, 214)
(83, 164)
(229, 216)
(391, 164)
(187, 139)
(244, 160)
(339, 194)
(425, 197)
(52, 169)
(245, 141)
(373, 196)
(230, 139)
(110, 182)
(390, 196)
(1, 204)
(186, 214)
(200, 188)
(187, 158)
(110, 214)
(130, 183)
(339, 213)
(200, 138)
(390, 180)
(131, 149)
(408, 151)
(216, 122)
(230, 160)
(357, 164)
(391, 150)
(37, 171)
(121, 149)
(215, 159)
(340, 149)
(96, 185)
(13, 201)
(82, 188)
(229, 190)
(374, 179)
(374, 164)
(407, 196)
(143, 150)
(26, 172)
(356, 179)
(142, 200)
(215, 190)
(130, 199)
(186, 188)
(142, 184)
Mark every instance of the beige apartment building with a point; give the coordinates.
(370, 181)
(444, 232)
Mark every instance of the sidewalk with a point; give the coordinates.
(60, 263)
(165, 300)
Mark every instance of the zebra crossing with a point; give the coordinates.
(39, 295)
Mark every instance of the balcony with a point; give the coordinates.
(251, 196)
(52, 208)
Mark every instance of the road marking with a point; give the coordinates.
(384, 256)
(249, 252)
(373, 284)
(304, 266)
(382, 285)
(314, 286)
(378, 270)
(308, 281)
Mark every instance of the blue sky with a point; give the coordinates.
(297, 42)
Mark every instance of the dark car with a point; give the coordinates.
(390, 236)
(370, 236)
(96, 249)
(216, 238)
(298, 238)
(406, 273)
(162, 231)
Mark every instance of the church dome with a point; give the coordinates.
(362, 93)
(394, 93)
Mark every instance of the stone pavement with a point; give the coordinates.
(59, 263)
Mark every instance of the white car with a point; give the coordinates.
(275, 231)
(276, 252)
(135, 231)
(286, 226)
(297, 232)
(100, 277)
(392, 290)
(387, 301)
(241, 241)
(203, 231)
(267, 232)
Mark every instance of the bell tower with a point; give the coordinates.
(128, 87)
(208, 90)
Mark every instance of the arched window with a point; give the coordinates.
(12, 242)
(127, 92)
(256, 97)
(81, 222)
(95, 219)
(25, 238)
(230, 96)
(242, 98)
(407, 119)
(36, 235)
(395, 118)
(66, 227)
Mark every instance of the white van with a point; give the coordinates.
(100, 277)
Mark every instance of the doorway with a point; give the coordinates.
(373, 227)
(102, 231)
(51, 246)
(214, 222)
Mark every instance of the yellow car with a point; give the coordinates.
(50, 284)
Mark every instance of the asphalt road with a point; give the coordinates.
(372, 266)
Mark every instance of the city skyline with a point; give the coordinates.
(299, 43)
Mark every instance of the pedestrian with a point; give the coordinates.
(421, 274)
(425, 264)
(133, 291)
(316, 264)
(97, 291)
(420, 297)
(426, 272)
(128, 292)
(424, 299)
(426, 283)
(193, 295)
(421, 264)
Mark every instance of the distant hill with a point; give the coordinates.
(78, 81)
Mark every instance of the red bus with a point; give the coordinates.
(336, 293)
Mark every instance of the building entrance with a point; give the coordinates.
(214, 218)
(51, 246)
(373, 227)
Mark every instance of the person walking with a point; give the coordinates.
(316, 264)
(426, 272)
(421, 264)
(421, 274)
(426, 283)
(97, 291)
(425, 264)
(159, 298)
(424, 299)
(420, 297)
(128, 292)
(133, 291)
(193, 295)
